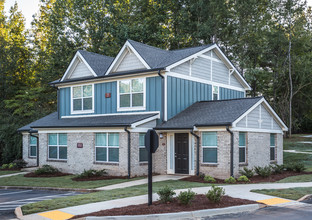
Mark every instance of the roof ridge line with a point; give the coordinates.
(147, 45)
(95, 53)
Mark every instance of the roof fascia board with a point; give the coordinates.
(112, 114)
(134, 125)
(70, 66)
(80, 130)
(257, 130)
(120, 55)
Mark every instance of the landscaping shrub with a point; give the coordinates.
(243, 179)
(247, 172)
(299, 167)
(209, 179)
(166, 194)
(215, 194)
(186, 197)
(20, 163)
(91, 173)
(276, 169)
(5, 166)
(46, 169)
(230, 180)
(202, 175)
(263, 171)
(12, 165)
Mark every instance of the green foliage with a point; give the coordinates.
(45, 170)
(12, 165)
(295, 166)
(92, 173)
(5, 166)
(276, 169)
(20, 163)
(166, 194)
(243, 179)
(263, 171)
(247, 172)
(230, 180)
(209, 179)
(215, 194)
(186, 197)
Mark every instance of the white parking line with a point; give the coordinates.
(15, 192)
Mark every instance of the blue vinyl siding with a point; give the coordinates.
(183, 93)
(104, 105)
(230, 94)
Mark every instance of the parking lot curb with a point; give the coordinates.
(308, 196)
(50, 188)
(18, 212)
(183, 215)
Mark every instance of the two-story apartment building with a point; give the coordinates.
(194, 98)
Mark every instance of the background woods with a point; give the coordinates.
(268, 41)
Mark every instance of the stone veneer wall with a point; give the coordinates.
(31, 161)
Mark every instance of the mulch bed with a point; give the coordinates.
(200, 202)
(99, 178)
(47, 175)
(254, 179)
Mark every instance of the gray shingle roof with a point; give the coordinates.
(210, 113)
(99, 63)
(52, 121)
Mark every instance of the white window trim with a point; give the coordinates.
(107, 151)
(57, 147)
(218, 98)
(273, 146)
(203, 147)
(243, 147)
(29, 150)
(141, 147)
(132, 108)
(72, 100)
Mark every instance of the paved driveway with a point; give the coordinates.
(10, 199)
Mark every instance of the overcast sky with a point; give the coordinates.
(30, 7)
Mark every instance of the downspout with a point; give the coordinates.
(162, 96)
(197, 161)
(129, 144)
(36, 147)
(232, 150)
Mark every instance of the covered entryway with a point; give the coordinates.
(181, 153)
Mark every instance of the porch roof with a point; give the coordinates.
(209, 113)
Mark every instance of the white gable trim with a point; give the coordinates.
(271, 112)
(73, 64)
(134, 125)
(220, 53)
(126, 47)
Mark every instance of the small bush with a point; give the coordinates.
(5, 166)
(166, 194)
(243, 179)
(276, 169)
(209, 179)
(230, 180)
(92, 173)
(247, 172)
(215, 194)
(46, 169)
(186, 197)
(12, 165)
(20, 163)
(263, 171)
(202, 175)
(299, 167)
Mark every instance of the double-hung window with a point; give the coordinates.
(107, 147)
(131, 94)
(142, 150)
(82, 99)
(215, 93)
(210, 147)
(272, 146)
(57, 146)
(33, 147)
(242, 147)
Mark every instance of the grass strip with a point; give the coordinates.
(297, 179)
(105, 196)
(291, 193)
(5, 172)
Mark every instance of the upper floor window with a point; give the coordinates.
(33, 147)
(131, 94)
(82, 99)
(215, 93)
(210, 147)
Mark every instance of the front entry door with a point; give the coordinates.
(181, 153)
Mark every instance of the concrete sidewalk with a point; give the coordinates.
(13, 174)
(238, 191)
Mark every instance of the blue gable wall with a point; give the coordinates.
(230, 93)
(104, 105)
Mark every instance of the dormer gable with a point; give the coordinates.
(127, 59)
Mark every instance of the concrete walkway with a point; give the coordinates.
(13, 174)
(238, 191)
(297, 152)
(157, 178)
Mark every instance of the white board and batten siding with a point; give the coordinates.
(259, 118)
(129, 62)
(80, 70)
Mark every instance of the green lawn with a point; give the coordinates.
(60, 182)
(5, 172)
(293, 144)
(291, 193)
(105, 195)
(296, 179)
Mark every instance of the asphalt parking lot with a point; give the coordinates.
(12, 198)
